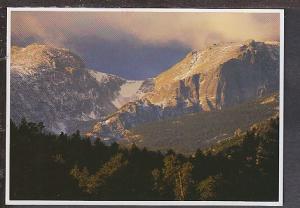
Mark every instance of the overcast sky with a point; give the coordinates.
(138, 45)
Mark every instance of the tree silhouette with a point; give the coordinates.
(45, 166)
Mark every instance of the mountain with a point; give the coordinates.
(218, 77)
(52, 85)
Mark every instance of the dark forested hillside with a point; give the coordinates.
(189, 132)
(68, 167)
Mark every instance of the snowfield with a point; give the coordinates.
(128, 92)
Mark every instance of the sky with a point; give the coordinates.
(138, 45)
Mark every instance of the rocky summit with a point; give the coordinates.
(219, 76)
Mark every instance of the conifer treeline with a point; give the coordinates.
(45, 166)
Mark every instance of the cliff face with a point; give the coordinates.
(220, 76)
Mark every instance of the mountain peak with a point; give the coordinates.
(35, 57)
(207, 68)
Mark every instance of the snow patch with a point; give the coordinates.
(92, 115)
(128, 92)
(99, 76)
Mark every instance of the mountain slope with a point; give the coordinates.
(189, 132)
(52, 85)
(221, 76)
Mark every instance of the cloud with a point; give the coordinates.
(193, 30)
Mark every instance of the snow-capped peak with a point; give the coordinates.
(35, 58)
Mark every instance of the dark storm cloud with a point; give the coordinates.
(128, 58)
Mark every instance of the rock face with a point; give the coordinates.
(220, 76)
(52, 85)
